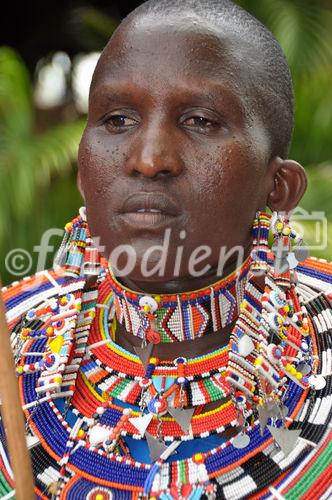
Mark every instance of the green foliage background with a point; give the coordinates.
(37, 169)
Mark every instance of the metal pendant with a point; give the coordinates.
(301, 252)
(182, 417)
(281, 266)
(283, 410)
(157, 447)
(141, 423)
(292, 260)
(317, 381)
(280, 252)
(285, 439)
(263, 418)
(245, 346)
(144, 354)
(272, 409)
(241, 440)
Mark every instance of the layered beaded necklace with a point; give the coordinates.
(122, 374)
(261, 379)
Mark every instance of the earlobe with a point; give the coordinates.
(290, 184)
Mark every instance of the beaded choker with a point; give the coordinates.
(178, 317)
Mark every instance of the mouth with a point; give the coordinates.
(149, 209)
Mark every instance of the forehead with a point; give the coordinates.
(156, 53)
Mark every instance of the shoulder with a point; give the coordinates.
(21, 296)
(316, 274)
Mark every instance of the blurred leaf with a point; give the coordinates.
(304, 30)
(92, 27)
(318, 200)
(28, 160)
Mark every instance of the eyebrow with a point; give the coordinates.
(116, 90)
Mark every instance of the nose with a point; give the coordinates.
(155, 153)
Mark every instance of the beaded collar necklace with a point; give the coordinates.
(177, 317)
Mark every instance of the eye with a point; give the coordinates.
(119, 122)
(201, 123)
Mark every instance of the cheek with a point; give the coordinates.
(228, 192)
(230, 176)
(97, 164)
(99, 161)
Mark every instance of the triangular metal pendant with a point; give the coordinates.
(286, 439)
(182, 417)
(263, 418)
(292, 260)
(141, 423)
(144, 354)
(156, 447)
(272, 409)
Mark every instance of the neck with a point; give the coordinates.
(185, 283)
(180, 318)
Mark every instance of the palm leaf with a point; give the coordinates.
(302, 27)
(28, 161)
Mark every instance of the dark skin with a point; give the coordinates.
(170, 116)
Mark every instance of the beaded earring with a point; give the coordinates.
(72, 311)
(77, 252)
(260, 365)
(260, 246)
(288, 247)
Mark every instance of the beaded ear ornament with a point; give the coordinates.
(77, 253)
(59, 320)
(271, 346)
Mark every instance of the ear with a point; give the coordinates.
(288, 183)
(79, 183)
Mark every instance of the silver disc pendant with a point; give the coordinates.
(245, 346)
(317, 381)
(301, 252)
(241, 440)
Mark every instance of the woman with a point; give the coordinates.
(174, 355)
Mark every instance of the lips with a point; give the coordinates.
(148, 210)
(154, 203)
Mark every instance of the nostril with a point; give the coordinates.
(152, 173)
